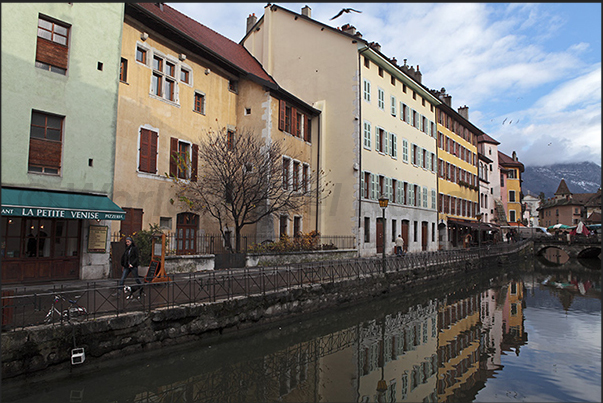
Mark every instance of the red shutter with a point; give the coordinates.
(45, 153)
(144, 150)
(194, 158)
(281, 115)
(174, 156)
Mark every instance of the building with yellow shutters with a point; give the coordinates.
(458, 184)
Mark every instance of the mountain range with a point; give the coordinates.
(582, 177)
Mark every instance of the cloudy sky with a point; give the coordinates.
(529, 73)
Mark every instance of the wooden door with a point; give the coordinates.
(379, 235)
(405, 225)
(424, 234)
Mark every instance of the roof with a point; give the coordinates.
(505, 160)
(484, 138)
(563, 189)
(231, 51)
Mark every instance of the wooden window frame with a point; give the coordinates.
(52, 54)
(143, 53)
(147, 158)
(45, 154)
(123, 70)
(199, 103)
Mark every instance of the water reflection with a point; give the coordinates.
(460, 345)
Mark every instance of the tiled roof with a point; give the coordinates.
(484, 138)
(504, 159)
(220, 45)
(563, 189)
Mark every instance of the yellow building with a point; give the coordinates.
(510, 186)
(179, 80)
(458, 183)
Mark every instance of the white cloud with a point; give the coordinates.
(501, 60)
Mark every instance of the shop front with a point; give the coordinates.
(52, 235)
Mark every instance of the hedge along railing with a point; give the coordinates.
(21, 309)
(215, 244)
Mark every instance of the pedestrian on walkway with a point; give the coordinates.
(399, 245)
(129, 262)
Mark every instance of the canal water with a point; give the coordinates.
(500, 336)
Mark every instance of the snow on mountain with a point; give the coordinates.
(584, 177)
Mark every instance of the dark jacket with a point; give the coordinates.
(130, 256)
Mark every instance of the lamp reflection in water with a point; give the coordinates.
(383, 202)
(381, 384)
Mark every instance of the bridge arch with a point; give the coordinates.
(575, 250)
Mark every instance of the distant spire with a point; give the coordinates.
(563, 189)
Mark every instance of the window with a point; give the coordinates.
(367, 91)
(147, 151)
(283, 226)
(367, 63)
(512, 215)
(305, 178)
(393, 145)
(511, 174)
(233, 86)
(286, 162)
(405, 150)
(141, 55)
(123, 70)
(52, 46)
(394, 104)
(183, 159)
(433, 199)
(296, 226)
(45, 143)
(199, 103)
(366, 181)
(230, 139)
(133, 221)
(381, 140)
(308, 130)
(367, 135)
(295, 175)
(511, 195)
(380, 71)
(185, 76)
(367, 229)
(163, 80)
(298, 124)
(381, 99)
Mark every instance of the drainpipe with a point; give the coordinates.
(318, 169)
(360, 143)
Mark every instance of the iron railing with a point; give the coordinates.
(22, 308)
(203, 244)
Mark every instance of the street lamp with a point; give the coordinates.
(479, 229)
(383, 202)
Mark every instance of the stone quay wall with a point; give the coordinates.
(39, 349)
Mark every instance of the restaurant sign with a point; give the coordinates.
(62, 213)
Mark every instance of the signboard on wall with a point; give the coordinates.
(97, 238)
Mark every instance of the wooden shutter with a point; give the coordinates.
(174, 156)
(153, 152)
(52, 53)
(144, 150)
(45, 153)
(133, 221)
(294, 122)
(281, 115)
(194, 159)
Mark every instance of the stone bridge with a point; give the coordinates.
(578, 248)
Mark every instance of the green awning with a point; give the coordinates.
(51, 204)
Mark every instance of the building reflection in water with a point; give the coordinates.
(438, 352)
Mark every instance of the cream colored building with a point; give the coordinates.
(377, 128)
(179, 81)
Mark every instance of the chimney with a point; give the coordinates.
(349, 29)
(307, 11)
(376, 46)
(514, 155)
(394, 61)
(464, 112)
(418, 75)
(251, 20)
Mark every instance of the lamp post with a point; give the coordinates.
(479, 229)
(383, 202)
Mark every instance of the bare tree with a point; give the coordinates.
(241, 180)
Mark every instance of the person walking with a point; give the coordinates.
(129, 262)
(399, 245)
